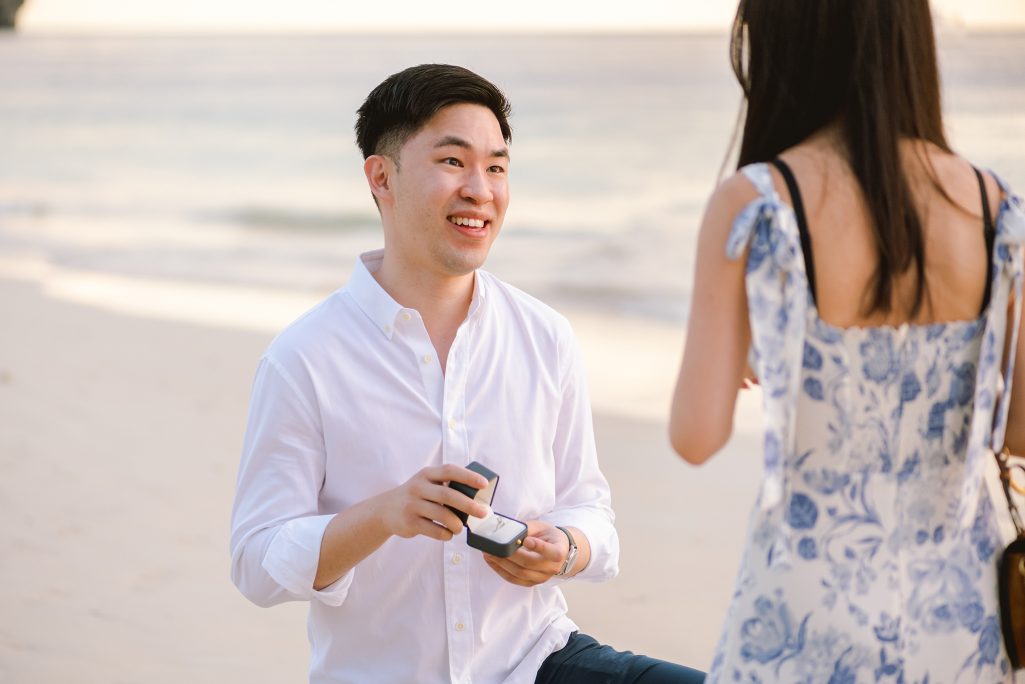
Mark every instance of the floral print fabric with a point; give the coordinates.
(871, 551)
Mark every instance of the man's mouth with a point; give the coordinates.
(473, 227)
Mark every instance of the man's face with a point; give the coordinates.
(449, 192)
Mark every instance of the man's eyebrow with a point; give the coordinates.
(451, 140)
(459, 142)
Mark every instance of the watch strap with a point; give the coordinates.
(571, 555)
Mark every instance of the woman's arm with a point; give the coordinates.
(718, 335)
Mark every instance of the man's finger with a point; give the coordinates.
(508, 577)
(526, 558)
(451, 472)
(536, 527)
(446, 496)
(546, 550)
(440, 516)
(526, 566)
(508, 565)
(428, 528)
(514, 573)
(503, 564)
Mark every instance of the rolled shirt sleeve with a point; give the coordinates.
(583, 499)
(288, 561)
(276, 528)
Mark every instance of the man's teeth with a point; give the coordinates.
(468, 222)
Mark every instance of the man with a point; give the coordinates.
(366, 408)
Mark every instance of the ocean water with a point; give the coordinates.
(231, 160)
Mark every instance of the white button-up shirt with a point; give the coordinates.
(350, 401)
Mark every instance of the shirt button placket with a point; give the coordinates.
(455, 448)
(457, 577)
(457, 608)
(430, 369)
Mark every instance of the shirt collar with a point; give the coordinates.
(379, 306)
(479, 298)
(370, 296)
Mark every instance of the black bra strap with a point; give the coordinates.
(802, 222)
(990, 232)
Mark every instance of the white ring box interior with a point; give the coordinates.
(495, 533)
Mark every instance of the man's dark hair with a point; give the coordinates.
(404, 102)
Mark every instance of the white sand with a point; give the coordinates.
(123, 403)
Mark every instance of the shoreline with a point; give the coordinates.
(640, 387)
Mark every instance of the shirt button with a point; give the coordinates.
(451, 423)
(456, 559)
(460, 626)
(387, 329)
(406, 316)
(427, 358)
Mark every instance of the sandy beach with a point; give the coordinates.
(167, 205)
(120, 443)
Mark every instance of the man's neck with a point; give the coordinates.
(442, 300)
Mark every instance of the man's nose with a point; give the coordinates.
(477, 187)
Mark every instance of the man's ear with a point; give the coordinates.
(379, 170)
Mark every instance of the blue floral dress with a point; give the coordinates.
(871, 551)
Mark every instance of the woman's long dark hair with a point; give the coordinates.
(868, 66)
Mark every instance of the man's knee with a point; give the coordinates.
(585, 661)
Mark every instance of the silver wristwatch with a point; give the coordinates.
(571, 556)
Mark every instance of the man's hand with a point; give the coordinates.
(414, 508)
(539, 559)
(418, 507)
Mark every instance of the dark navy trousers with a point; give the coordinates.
(584, 661)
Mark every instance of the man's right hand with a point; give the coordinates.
(418, 507)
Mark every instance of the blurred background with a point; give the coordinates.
(178, 181)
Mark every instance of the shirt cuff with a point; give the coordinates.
(292, 558)
(601, 536)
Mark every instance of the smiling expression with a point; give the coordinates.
(445, 196)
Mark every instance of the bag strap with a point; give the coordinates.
(1003, 456)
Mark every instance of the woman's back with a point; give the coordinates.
(949, 202)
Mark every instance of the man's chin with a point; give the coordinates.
(463, 264)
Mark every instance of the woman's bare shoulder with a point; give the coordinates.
(955, 175)
(731, 195)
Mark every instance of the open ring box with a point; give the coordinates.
(496, 534)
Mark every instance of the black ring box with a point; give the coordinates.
(496, 534)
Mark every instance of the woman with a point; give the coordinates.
(871, 273)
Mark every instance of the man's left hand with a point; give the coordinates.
(540, 558)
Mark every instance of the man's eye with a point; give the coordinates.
(497, 169)
(451, 161)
